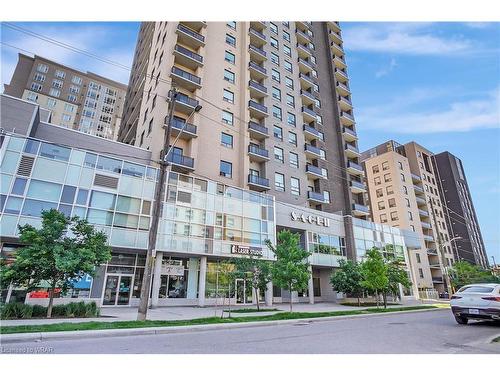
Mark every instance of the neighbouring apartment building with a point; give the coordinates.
(77, 100)
(460, 214)
(403, 192)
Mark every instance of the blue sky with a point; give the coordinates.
(435, 83)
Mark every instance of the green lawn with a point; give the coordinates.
(250, 310)
(368, 304)
(59, 327)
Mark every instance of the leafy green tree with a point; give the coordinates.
(463, 273)
(348, 278)
(374, 271)
(256, 271)
(61, 252)
(396, 274)
(291, 268)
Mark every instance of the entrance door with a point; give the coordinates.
(124, 290)
(243, 292)
(117, 290)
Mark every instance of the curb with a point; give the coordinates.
(42, 336)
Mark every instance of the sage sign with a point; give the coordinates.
(311, 219)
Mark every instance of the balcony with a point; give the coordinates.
(357, 187)
(339, 62)
(187, 58)
(315, 197)
(307, 97)
(256, 37)
(420, 201)
(181, 163)
(256, 53)
(437, 280)
(305, 66)
(258, 131)
(428, 238)
(189, 37)
(311, 133)
(336, 49)
(354, 168)
(257, 110)
(303, 25)
(343, 89)
(334, 25)
(257, 71)
(312, 151)
(346, 118)
(258, 183)
(415, 178)
(341, 75)
(185, 104)
(186, 130)
(304, 36)
(257, 153)
(423, 213)
(185, 79)
(360, 209)
(306, 81)
(426, 225)
(316, 172)
(304, 51)
(258, 25)
(351, 151)
(349, 134)
(418, 189)
(432, 252)
(309, 114)
(344, 103)
(195, 25)
(257, 90)
(335, 36)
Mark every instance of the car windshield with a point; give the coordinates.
(476, 289)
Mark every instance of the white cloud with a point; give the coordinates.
(386, 69)
(402, 38)
(478, 25)
(459, 116)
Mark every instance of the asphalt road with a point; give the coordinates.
(423, 332)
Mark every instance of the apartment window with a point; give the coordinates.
(394, 215)
(379, 193)
(274, 42)
(412, 227)
(377, 181)
(74, 89)
(60, 74)
(400, 165)
(275, 75)
(226, 169)
(229, 57)
(289, 82)
(381, 205)
(403, 177)
(227, 118)
(410, 216)
(286, 36)
(294, 186)
(279, 181)
(232, 24)
(326, 196)
(226, 140)
(387, 177)
(278, 132)
(294, 159)
(277, 112)
(66, 118)
(57, 83)
(291, 119)
(228, 96)
(42, 68)
(419, 154)
(229, 76)
(286, 23)
(319, 119)
(275, 58)
(273, 27)
(383, 218)
(276, 93)
(51, 103)
(67, 107)
(322, 154)
(421, 273)
(389, 189)
(39, 77)
(76, 80)
(316, 87)
(385, 166)
(405, 190)
(54, 92)
(292, 138)
(142, 138)
(290, 100)
(392, 202)
(287, 51)
(231, 40)
(150, 126)
(288, 66)
(36, 86)
(407, 202)
(72, 98)
(278, 154)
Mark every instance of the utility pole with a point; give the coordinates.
(153, 230)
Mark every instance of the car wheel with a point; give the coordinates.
(461, 320)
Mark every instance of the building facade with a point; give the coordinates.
(77, 100)
(459, 209)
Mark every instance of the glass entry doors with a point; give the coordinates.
(243, 291)
(117, 290)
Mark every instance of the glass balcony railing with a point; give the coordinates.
(346, 115)
(307, 78)
(257, 33)
(312, 149)
(181, 160)
(315, 196)
(351, 148)
(256, 85)
(182, 125)
(316, 170)
(350, 132)
(257, 127)
(256, 66)
(308, 94)
(312, 130)
(360, 207)
(253, 149)
(186, 75)
(257, 106)
(309, 111)
(188, 53)
(184, 99)
(190, 32)
(358, 184)
(257, 50)
(353, 165)
(257, 180)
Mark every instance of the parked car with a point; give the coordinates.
(476, 302)
(444, 295)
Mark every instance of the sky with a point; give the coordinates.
(435, 83)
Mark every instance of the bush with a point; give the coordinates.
(39, 311)
(18, 310)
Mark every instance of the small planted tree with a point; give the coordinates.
(227, 276)
(374, 271)
(348, 279)
(61, 252)
(291, 268)
(256, 271)
(396, 274)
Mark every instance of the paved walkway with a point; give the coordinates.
(110, 314)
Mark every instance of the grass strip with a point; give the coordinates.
(250, 310)
(85, 326)
(497, 339)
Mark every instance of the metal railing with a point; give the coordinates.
(188, 53)
(258, 151)
(190, 32)
(258, 127)
(257, 106)
(186, 75)
(257, 180)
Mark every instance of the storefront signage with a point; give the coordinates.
(246, 250)
(172, 270)
(310, 219)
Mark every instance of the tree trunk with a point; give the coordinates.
(291, 302)
(385, 299)
(359, 302)
(257, 297)
(51, 299)
(376, 297)
(229, 287)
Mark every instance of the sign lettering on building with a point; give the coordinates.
(246, 250)
(172, 270)
(310, 219)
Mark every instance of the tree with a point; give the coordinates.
(255, 270)
(227, 274)
(396, 275)
(374, 271)
(348, 278)
(62, 252)
(463, 273)
(291, 268)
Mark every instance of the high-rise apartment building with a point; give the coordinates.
(403, 192)
(459, 209)
(276, 111)
(77, 100)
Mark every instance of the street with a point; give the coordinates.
(423, 332)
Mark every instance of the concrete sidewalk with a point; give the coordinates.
(111, 314)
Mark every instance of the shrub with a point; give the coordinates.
(18, 310)
(59, 310)
(39, 311)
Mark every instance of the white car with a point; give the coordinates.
(477, 302)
